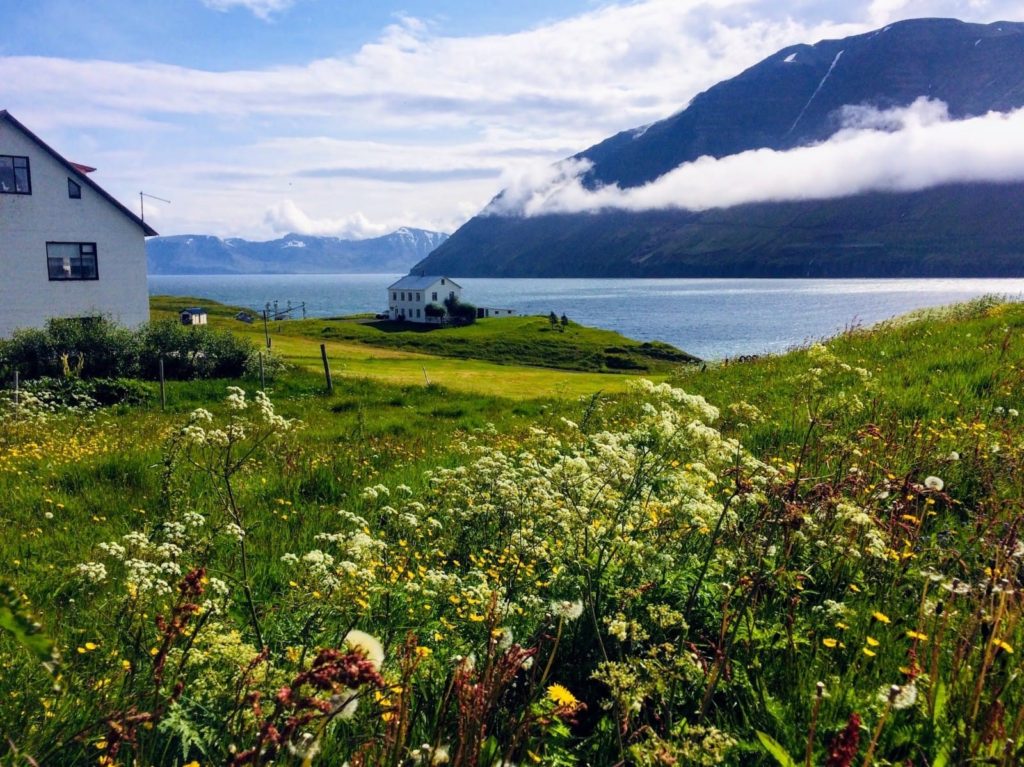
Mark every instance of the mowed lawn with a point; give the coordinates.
(399, 366)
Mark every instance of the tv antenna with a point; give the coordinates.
(142, 206)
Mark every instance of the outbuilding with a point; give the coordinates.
(195, 315)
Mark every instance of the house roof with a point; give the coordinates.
(420, 282)
(77, 171)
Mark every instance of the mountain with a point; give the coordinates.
(790, 99)
(292, 254)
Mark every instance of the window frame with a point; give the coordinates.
(81, 254)
(74, 189)
(14, 170)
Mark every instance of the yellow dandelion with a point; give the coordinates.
(830, 643)
(561, 696)
(869, 652)
(917, 635)
(880, 617)
(872, 642)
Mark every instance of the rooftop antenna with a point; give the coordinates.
(142, 206)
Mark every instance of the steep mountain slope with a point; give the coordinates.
(293, 253)
(788, 100)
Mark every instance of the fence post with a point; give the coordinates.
(266, 330)
(263, 385)
(163, 391)
(327, 369)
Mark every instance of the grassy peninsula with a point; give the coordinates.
(811, 557)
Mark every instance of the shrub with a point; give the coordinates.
(87, 347)
(95, 348)
(192, 352)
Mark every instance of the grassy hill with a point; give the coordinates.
(636, 578)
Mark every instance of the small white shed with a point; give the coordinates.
(195, 315)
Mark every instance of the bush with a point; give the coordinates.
(192, 352)
(84, 347)
(70, 392)
(96, 348)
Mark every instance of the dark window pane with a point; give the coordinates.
(74, 190)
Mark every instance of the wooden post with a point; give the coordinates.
(263, 384)
(327, 369)
(425, 379)
(266, 330)
(163, 391)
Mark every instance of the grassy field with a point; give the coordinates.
(518, 341)
(818, 562)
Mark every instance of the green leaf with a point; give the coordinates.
(775, 748)
(17, 621)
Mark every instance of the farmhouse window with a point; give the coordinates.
(418, 297)
(433, 296)
(74, 190)
(15, 177)
(394, 296)
(72, 261)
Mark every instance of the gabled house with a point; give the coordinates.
(409, 298)
(67, 248)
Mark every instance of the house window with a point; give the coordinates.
(403, 295)
(74, 190)
(433, 296)
(417, 312)
(14, 175)
(72, 261)
(418, 297)
(442, 280)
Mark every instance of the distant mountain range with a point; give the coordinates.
(291, 254)
(791, 99)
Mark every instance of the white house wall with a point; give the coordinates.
(408, 306)
(27, 222)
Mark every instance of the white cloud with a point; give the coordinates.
(905, 149)
(286, 216)
(229, 145)
(262, 9)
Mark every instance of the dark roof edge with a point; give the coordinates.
(147, 230)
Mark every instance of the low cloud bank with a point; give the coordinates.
(286, 217)
(901, 150)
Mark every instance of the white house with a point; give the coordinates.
(67, 248)
(409, 298)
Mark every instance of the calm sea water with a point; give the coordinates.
(711, 318)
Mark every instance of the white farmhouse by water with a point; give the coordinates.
(67, 248)
(409, 298)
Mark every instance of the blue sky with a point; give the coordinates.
(351, 117)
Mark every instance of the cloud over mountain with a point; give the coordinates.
(901, 149)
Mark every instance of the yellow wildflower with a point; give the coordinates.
(880, 617)
(1004, 646)
(561, 696)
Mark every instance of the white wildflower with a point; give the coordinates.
(934, 483)
(369, 646)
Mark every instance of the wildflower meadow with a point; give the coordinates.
(810, 559)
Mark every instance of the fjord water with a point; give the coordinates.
(712, 318)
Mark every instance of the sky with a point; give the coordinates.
(351, 117)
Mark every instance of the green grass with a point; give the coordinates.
(713, 626)
(522, 341)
